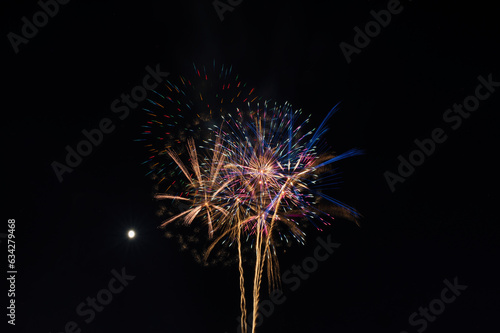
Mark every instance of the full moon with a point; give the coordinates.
(131, 234)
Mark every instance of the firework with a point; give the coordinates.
(187, 107)
(258, 182)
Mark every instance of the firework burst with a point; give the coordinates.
(187, 107)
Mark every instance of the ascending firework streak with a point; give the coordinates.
(260, 180)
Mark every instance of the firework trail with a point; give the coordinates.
(260, 180)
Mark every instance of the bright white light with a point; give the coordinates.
(131, 234)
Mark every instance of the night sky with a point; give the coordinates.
(439, 222)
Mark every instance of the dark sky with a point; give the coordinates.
(440, 224)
